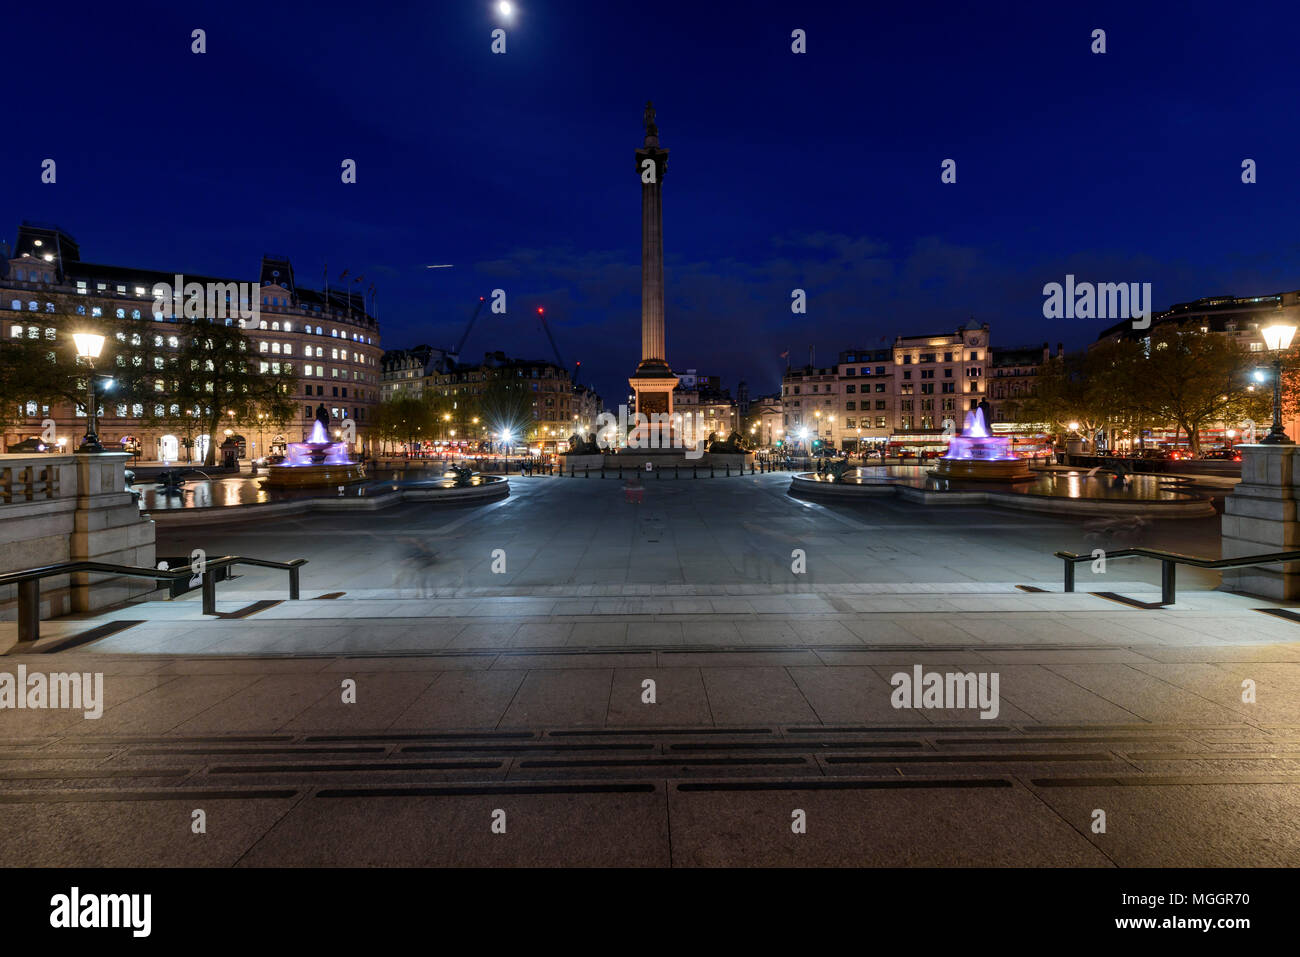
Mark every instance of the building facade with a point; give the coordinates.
(903, 396)
(404, 372)
(325, 340)
(711, 407)
(559, 408)
(1013, 376)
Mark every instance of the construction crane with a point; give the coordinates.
(468, 328)
(559, 360)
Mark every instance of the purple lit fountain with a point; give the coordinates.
(975, 454)
(316, 462)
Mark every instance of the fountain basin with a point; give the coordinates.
(314, 476)
(316, 463)
(985, 470)
(1065, 492)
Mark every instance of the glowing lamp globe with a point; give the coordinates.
(89, 345)
(1278, 336)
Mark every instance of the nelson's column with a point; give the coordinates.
(653, 382)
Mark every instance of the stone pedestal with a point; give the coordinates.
(108, 527)
(1261, 516)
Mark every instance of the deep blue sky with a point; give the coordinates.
(819, 171)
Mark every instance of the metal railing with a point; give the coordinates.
(29, 583)
(1169, 562)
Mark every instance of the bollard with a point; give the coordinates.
(29, 610)
(602, 472)
(209, 591)
(728, 467)
(293, 583)
(676, 472)
(695, 472)
(710, 470)
(586, 471)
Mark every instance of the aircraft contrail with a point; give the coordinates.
(443, 266)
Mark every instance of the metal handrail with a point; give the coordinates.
(1169, 561)
(29, 583)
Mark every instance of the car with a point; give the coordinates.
(1228, 455)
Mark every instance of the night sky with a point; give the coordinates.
(820, 171)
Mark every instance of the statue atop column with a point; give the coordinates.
(651, 128)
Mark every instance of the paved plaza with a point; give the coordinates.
(500, 656)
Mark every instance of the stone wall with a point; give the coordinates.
(58, 508)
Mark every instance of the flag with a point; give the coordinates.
(786, 354)
(344, 275)
(359, 279)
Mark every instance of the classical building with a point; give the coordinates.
(868, 412)
(901, 396)
(939, 378)
(809, 403)
(558, 409)
(702, 395)
(763, 425)
(326, 340)
(1013, 376)
(403, 372)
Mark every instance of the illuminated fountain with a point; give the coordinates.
(977, 455)
(316, 462)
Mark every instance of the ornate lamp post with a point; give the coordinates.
(1277, 338)
(89, 346)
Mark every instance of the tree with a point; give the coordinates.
(46, 369)
(37, 370)
(1180, 376)
(405, 419)
(1072, 391)
(1195, 378)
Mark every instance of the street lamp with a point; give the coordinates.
(1277, 338)
(89, 346)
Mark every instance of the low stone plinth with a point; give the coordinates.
(60, 508)
(581, 463)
